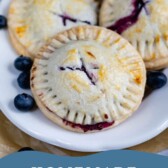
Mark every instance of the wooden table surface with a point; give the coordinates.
(12, 139)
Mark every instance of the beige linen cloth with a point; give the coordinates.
(12, 139)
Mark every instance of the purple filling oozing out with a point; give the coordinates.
(66, 18)
(124, 23)
(83, 69)
(87, 128)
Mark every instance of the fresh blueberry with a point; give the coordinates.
(3, 22)
(23, 63)
(24, 80)
(156, 79)
(24, 102)
(25, 149)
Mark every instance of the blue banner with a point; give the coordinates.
(111, 159)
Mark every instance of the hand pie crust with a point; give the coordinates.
(144, 23)
(33, 22)
(88, 79)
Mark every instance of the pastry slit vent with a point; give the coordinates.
(55, 96)
(82, 69)
(68, 112)
(138, 46)
(84, 118)
(34, 68)
(76, 115)
(59, 103)
(45, 73)
(148, 56)
(66, 18)
(50, 90)
(93, 120)
(45, 80)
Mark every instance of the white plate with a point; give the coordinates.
(150, 120)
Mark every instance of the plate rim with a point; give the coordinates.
(67, 146)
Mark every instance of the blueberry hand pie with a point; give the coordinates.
(88, 79)
(144, 23)
(33, 22)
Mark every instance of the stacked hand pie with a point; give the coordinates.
(144, 23)
(87, 78)
(33, 22)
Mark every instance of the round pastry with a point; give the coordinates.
(87, 79)
(32, 22)
(144, 23)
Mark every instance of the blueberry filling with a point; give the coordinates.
(70, 68)
(66, 18)
(124, 23)
(86, 128)
(83, 68)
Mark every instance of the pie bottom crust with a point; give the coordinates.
(59, 121)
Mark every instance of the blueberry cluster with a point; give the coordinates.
(24, 102)
(23, 64)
